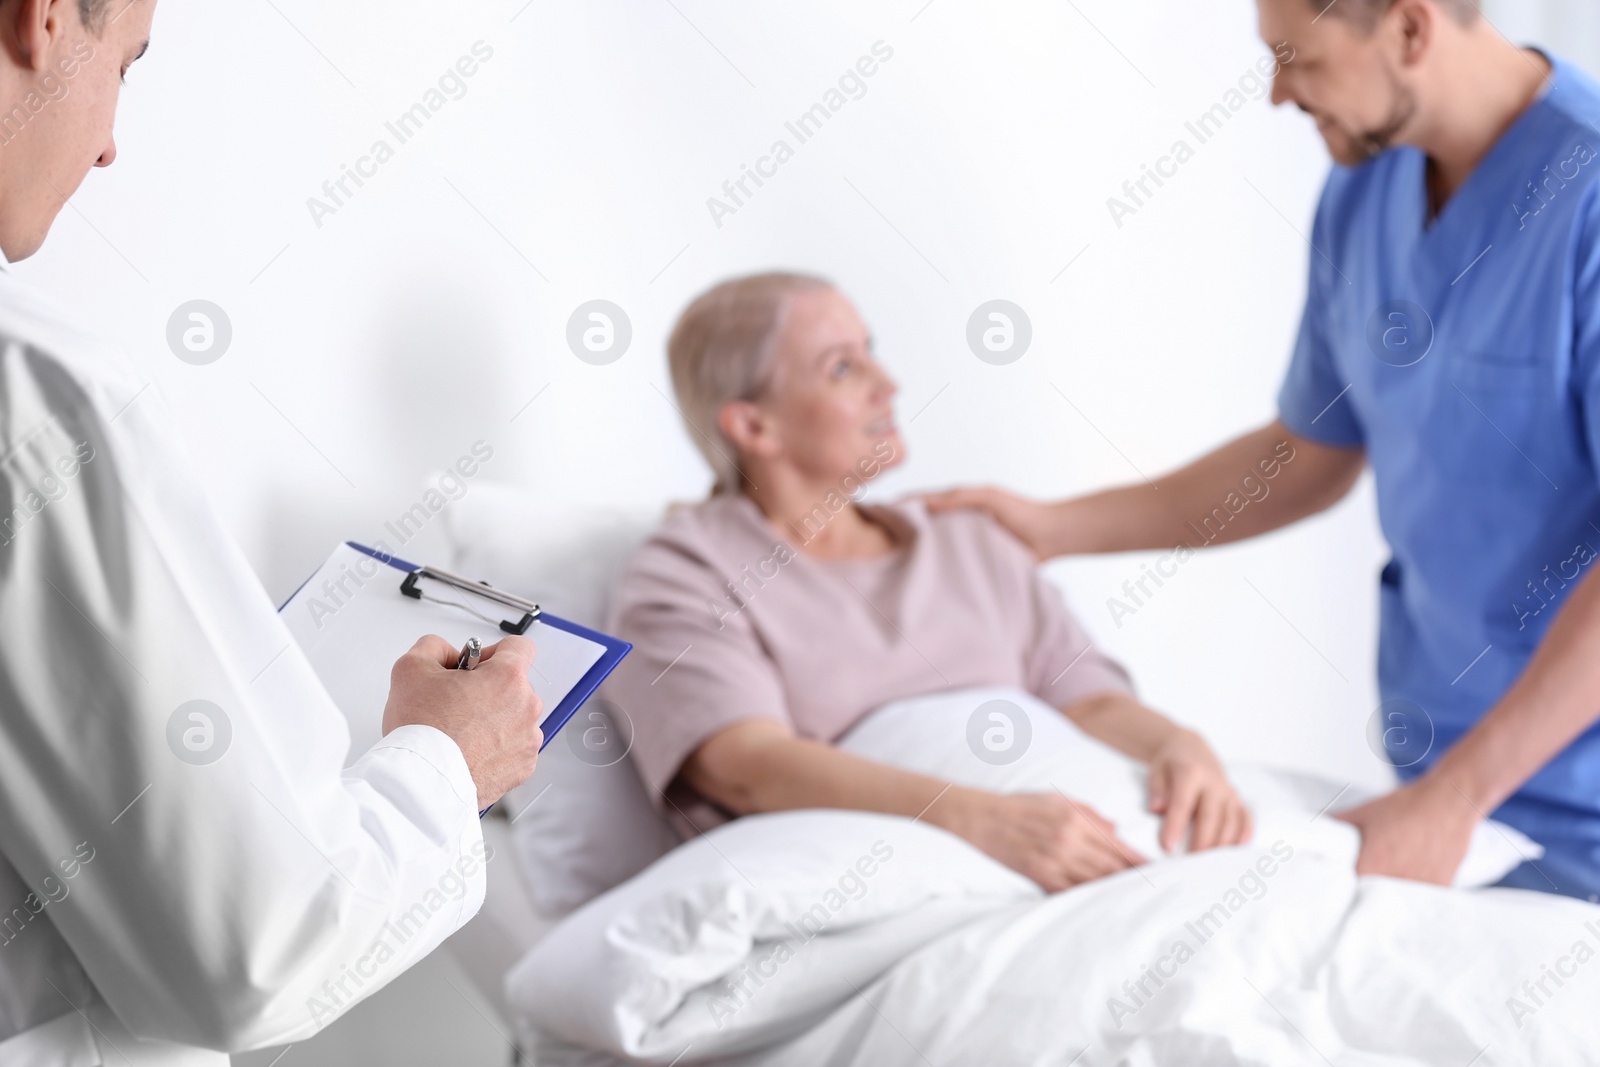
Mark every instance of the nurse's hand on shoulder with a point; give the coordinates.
(1420, 831)
(492, 712)
(1035, 524)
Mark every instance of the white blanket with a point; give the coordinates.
(853, 939)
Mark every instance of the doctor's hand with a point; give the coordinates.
(1035, 524)
(1190, 790)
(1056, 842)
(492, 712)
(1420, 831)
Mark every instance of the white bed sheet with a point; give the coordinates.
(1271, 953)
(1320, 970)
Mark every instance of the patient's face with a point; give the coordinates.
(831, 405)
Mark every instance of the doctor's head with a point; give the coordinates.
(1366, 70)
(60, 76)
(776, 379)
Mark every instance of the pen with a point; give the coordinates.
(470, 652)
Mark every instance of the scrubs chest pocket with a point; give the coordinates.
(1505, 419)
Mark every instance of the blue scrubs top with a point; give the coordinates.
(1464, 356)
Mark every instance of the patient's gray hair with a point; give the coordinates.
(721, 351)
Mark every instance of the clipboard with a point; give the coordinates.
(363, 609)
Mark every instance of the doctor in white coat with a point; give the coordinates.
(185, 864)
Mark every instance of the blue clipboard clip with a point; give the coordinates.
(530, 612)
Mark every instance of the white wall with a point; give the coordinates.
(408, 326)
(427, 312)
(1570, 28)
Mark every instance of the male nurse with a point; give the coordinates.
(1451, 342)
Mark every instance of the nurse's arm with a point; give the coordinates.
(1421, 831)
(1281, 476)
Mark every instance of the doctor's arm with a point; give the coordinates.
(242, 887)
(1272, 476)
(1422, 830)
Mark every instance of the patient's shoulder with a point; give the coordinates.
(689, 531)
(695, 545)
(966, 529)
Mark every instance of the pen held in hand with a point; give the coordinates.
(470, 654)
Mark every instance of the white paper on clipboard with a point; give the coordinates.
(353, 622)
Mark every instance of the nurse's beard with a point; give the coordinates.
(1379, 140)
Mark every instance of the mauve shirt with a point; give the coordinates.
(730, 621)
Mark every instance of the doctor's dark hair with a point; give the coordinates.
(721, 351)
(1365, 13)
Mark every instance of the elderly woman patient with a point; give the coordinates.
(770, 618)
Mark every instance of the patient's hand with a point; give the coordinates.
(1189, 788)
(1056, 841)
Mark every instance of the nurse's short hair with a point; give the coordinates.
(1365, 13)
(93, 13)
(721, 350)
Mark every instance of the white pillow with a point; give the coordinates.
(752, 932)
(582, 823)
(1036, 748)
(566, 557)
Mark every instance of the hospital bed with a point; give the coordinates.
(846, 938)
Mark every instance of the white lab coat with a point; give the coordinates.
(151, 908)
